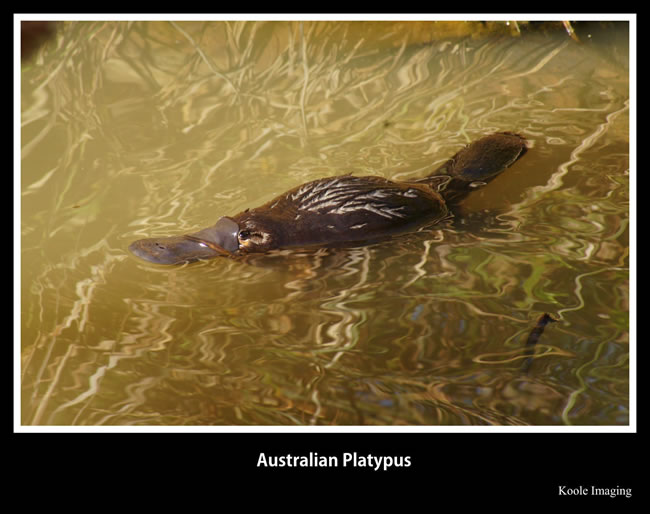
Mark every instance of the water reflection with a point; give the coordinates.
(135, 130)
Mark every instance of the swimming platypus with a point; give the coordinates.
(343, 209)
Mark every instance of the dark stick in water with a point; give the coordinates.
(533, 337)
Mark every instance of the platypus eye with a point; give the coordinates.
(253, 239)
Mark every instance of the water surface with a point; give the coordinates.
(147, 129)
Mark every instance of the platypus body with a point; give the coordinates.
(343, 209)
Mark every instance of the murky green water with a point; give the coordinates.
(143, 129)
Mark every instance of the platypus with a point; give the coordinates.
(343, 209)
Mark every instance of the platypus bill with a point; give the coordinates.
(343, 209)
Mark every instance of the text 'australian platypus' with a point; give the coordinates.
(343, 209)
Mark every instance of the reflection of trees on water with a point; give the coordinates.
(308, 350)
(143, 129)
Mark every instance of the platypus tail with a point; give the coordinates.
(476, 165)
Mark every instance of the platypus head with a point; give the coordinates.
(219, 239)
(227, 237)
